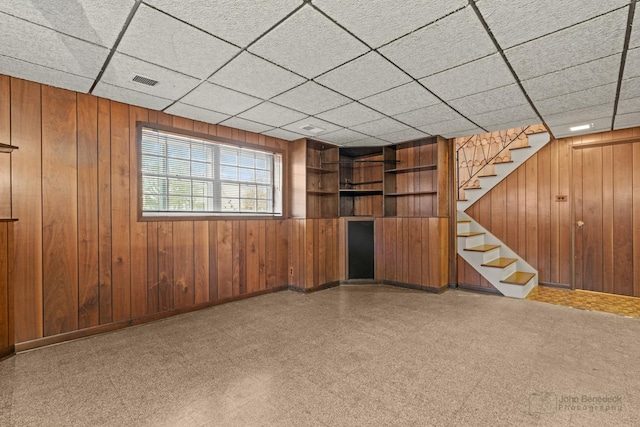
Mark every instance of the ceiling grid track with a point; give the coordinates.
(134, 9)
(395, 65)
(473, 5)
(623, 59)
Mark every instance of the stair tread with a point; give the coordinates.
(500, 262)
(482, 248)
(472, 188)
(470, 233)
(519, 278)
(518, 148)
(464, 220)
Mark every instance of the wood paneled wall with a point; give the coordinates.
(314, 252)
(412, 251)
(523, 212)
(6, 289)
(82, 257)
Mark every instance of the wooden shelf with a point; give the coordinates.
(8, 219)
(361, 183)
(6, 148)
(321, 192)
(411, 193)
(412, 169)
(354, 193)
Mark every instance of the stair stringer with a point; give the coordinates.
(491, 274)
(518, 157)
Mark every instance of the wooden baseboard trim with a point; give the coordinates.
(7, 352)
(84, 333)
(416, 287)
(555, 285)
(481, 289)
(314, 289)
(361, 282)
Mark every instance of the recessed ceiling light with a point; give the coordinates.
(581, 127)
(312, 128)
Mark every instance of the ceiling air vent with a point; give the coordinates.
(143, 80)
(312, 129)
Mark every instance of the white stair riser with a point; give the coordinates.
(463, 227)
(469, 242)
(483, 257)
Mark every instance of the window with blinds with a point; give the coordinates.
(184, 175)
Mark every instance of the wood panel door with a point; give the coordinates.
(606, 195)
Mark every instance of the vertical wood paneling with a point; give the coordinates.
(4, 286)
(253, 256)
(88, 239)
(623, 169)
(183, 284)
(607, 219)
(120, 215)
(59, 211)
(93, 261)
(225, 259)
(636, 219)
(139, 290)
(165, 266)
(27, 206)
(104, 211)
(5, 138)
(201, 261)
(542, 193)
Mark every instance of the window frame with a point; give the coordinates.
(194, 216)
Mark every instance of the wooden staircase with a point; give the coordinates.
(497, 263)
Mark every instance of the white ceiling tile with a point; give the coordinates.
(634, 40)
(342, 136)
(350, 115)
(401, 99)
(573, 79)
(533, 120)
(196, 113)
(367, 142)
(381, 21)
(505, 115)
(380, 127)
(452, 41)
(308, 43)
(572, 101)
(425, 116)
(632, 65)
(516, 21)
(238, 21)
(451, 126)
(403, 135)
(129, 96)
(624, 121)
(272, 114)
(313, 121)
(365, 76)
(630, 88)
(495, 99)
(32, 43)
(254, 76)
(248, 125)
(463, 133)
(283, 134)
(629, 105)
(594, 39)
(85, 19)
(171, 85)
(37, 73)
(470, 78)
(160, 39)
(599, 125)
(217, 98)
(581, 116)
(311, 98)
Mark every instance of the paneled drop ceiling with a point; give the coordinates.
(361, 72)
